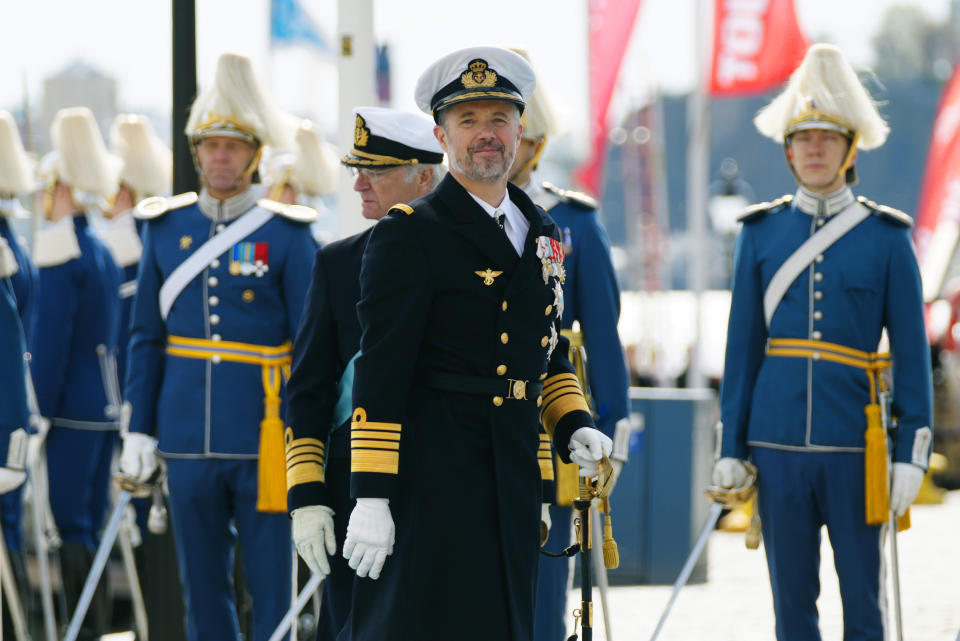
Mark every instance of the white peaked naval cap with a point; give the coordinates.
(387, 137)
(475, 73)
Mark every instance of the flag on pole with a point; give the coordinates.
(756, 45)
(611, 23)
(939, 196)
(291, 25)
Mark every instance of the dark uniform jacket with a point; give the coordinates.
(443, 292)
(318, 408)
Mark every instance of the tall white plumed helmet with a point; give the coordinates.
(825, 93)
(146, 163)
(16, 167)
(79, 159)
(315, 162)
(310, 168)
(237, 107)
(539, 119)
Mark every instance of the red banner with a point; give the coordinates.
(756, 45)
(940, 196)
(611, 23)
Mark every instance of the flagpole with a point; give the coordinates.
(698, 168)
(356, 81)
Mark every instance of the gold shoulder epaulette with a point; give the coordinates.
(407, 209)
(296, 213)
(755, 211)
(570, 196)
(156, 206)
(895, 215)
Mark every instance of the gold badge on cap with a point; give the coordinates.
(478, 75)
(361, 135)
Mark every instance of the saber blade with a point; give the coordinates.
(715, 510)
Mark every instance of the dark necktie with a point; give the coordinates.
(501, 219)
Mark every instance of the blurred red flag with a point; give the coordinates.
(611, 23)
(940, 195)
(756, 45)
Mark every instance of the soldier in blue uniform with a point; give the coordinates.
(818, 277)
(74, 345)
(396, 159)
(591, 297)
(220, 289)
(461, 358)
(16, 177)
(19, 280)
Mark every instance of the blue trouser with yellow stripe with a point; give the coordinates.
(212, 502)
(798, 493)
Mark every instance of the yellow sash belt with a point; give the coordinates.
(275, 367)
(876, 483)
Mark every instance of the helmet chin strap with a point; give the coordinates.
(540, 145)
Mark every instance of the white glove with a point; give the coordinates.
(587, 446)
(907, 478)
(138, 458)
(545, 515)
(313, 533)
(369, 539)
(11, 479)
(729, 473)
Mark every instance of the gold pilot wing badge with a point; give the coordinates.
(478, 75)
(361, 135)
(488, 275)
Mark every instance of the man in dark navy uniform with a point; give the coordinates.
(74, 347)
(461, 359)
(396, 159)
(818, 278)
(591, 297)
(220, 289)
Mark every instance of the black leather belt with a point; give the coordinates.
(508, 388)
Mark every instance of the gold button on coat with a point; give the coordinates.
(504, 338)
(501, 369)
(503, 306)
(498, 400)
(544, 341)
(547, 311)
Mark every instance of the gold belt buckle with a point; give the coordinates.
(517, 389)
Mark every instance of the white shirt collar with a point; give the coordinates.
(809, 202)
(517, 224)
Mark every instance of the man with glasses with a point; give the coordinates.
(395, 159)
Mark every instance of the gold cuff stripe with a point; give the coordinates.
(375, 461)
(359, 444)
(370, 425)
(552, 412)
(296, 447)
(546, 469)
(557, 392)
(301, 459)
(556, 379)
(390, 436)
(305, 473)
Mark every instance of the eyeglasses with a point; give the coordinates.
(371, 173)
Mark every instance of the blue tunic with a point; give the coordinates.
(206, 412)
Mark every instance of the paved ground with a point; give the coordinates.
(735, 603)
